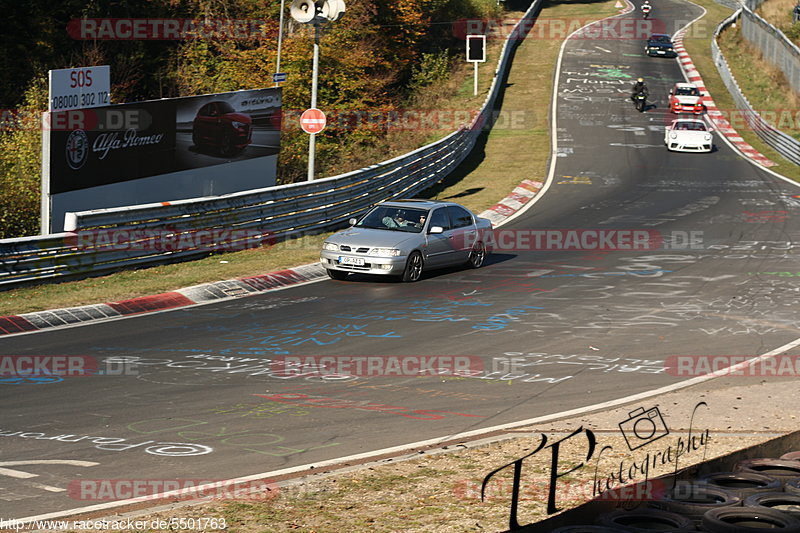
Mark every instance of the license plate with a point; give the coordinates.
(661, 52)
(356, 261)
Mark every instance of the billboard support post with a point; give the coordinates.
(45, 228)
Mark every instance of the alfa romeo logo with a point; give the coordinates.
(77, 149)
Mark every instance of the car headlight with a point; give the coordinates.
(384, 252)
(237, 124)
(330, 246)
(673, 135)
(670, 50)
(707, 137)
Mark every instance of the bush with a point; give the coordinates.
(21, 165)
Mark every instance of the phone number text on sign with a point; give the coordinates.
(77, 88)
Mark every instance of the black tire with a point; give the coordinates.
(337, 274)
(746, 520)
(645, 520)
(791, 456)
(226, 146)
(693, 500)
(195, 139)
(792, 486)
(741, 483)
(477, 255)
(784, 502)
(414, 267)
(584, 529)
(781, 469)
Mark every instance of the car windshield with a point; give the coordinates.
(690, 126)
(660, 39)
(393, 218)
(225, 107)
(687, 91)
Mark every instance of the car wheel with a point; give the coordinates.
(413, 269)
(195, 139)
(477, 255)
(337, 274)
(226, 146)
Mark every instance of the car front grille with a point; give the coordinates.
(346, 248)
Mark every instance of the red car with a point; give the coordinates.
(218, 126)
(686, 98)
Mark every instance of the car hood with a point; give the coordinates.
(687, 100)
(690, 134)
(373, 237)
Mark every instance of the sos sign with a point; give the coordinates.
(79, 88)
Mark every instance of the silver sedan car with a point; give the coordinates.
(405, 237)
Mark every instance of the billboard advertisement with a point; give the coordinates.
(159, 151)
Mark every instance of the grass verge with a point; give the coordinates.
(750, 78)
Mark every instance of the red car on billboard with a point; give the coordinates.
(218, 126)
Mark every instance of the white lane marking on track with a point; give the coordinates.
(433, 442)
(603, 49)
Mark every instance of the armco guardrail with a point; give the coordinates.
(787, 146)
(105, 240)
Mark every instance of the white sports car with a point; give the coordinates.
(688, 135)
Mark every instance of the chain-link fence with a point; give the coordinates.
(787, 146)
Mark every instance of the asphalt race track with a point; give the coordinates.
(196, 393)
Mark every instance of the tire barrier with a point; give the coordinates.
(748, 520)
(743, 484)
(781, 469)
(784, 502)
(693, 500)
(645, 520)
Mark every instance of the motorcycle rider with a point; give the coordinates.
(640, 87)
(646, 7)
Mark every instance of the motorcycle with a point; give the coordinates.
(640, 101)
(646, 11)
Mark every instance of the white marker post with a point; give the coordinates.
(476, 53)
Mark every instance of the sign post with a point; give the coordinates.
(476, 53)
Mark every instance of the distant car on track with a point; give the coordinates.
(688, 135)
(218, 126)
(406, 237)
(660, 45)
(686, 98)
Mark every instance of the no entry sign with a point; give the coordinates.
(312, 121)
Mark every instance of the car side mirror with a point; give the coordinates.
(436, 229)
(710, 130)
(352, 221)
